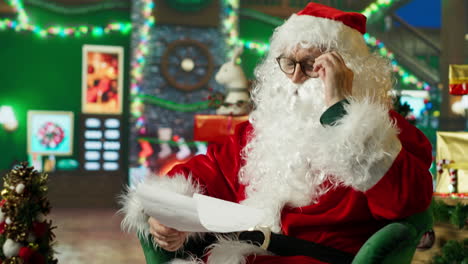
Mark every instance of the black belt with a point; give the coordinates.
(282, 245)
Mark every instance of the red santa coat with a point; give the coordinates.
(343, 218)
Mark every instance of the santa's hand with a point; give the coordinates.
(336, 76)
(167, 238)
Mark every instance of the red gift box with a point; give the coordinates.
(214, 128)
(458, 79)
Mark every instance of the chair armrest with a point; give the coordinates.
(395, 242)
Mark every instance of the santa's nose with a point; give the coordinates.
(298, 77)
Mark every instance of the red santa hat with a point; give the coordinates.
(353, 20)
(322, 26)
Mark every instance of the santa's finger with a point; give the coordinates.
(323, 63)
(163, 230)
(160, 242)
(329, 57)
(167, 238)
(338, 57)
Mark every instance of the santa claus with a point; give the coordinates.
(323, 153)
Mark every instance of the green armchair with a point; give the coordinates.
(394, 243)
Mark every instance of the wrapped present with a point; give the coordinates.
(458, 79)
(452, 164)
(214, 128)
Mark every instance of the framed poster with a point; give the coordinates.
(50, 133)
(102, 79)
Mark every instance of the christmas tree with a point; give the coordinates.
(26, 236)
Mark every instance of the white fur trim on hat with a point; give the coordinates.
(134, 218)
(311, 31)
(361, 147)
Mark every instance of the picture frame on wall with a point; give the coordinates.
(50, 132)
(102, 79)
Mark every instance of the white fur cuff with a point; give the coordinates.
(361, 147)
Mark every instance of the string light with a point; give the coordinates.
(376, 7)
(138, 63)
(230, 25)
(75, 31)
(405, 76)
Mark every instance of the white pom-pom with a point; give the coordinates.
(31, 238)
(458, 108)
(11, 248)
(11, 187)
(20, 188)
(40, 217)
(8, 221)
(2, 216)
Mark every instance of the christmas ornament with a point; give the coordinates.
(11, 248)
(25, 253)
(20, 188)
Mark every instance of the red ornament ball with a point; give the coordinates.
(25, 253)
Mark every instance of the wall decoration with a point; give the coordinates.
(187, 64)
(50, 133)
(102, 79)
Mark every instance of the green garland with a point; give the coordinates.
(453, 252)
(456, 215)
(194, 107)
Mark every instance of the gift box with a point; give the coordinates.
(458, 79)
(215, 128)
(452, 164)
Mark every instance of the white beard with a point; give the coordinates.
(278, 168)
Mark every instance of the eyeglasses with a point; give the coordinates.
(288, 65)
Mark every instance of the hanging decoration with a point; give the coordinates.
(452, 172)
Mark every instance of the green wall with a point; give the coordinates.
(45, 73)
(257, 31)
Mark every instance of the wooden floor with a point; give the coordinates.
(85, 236)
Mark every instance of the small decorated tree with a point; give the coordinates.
(25, 235)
